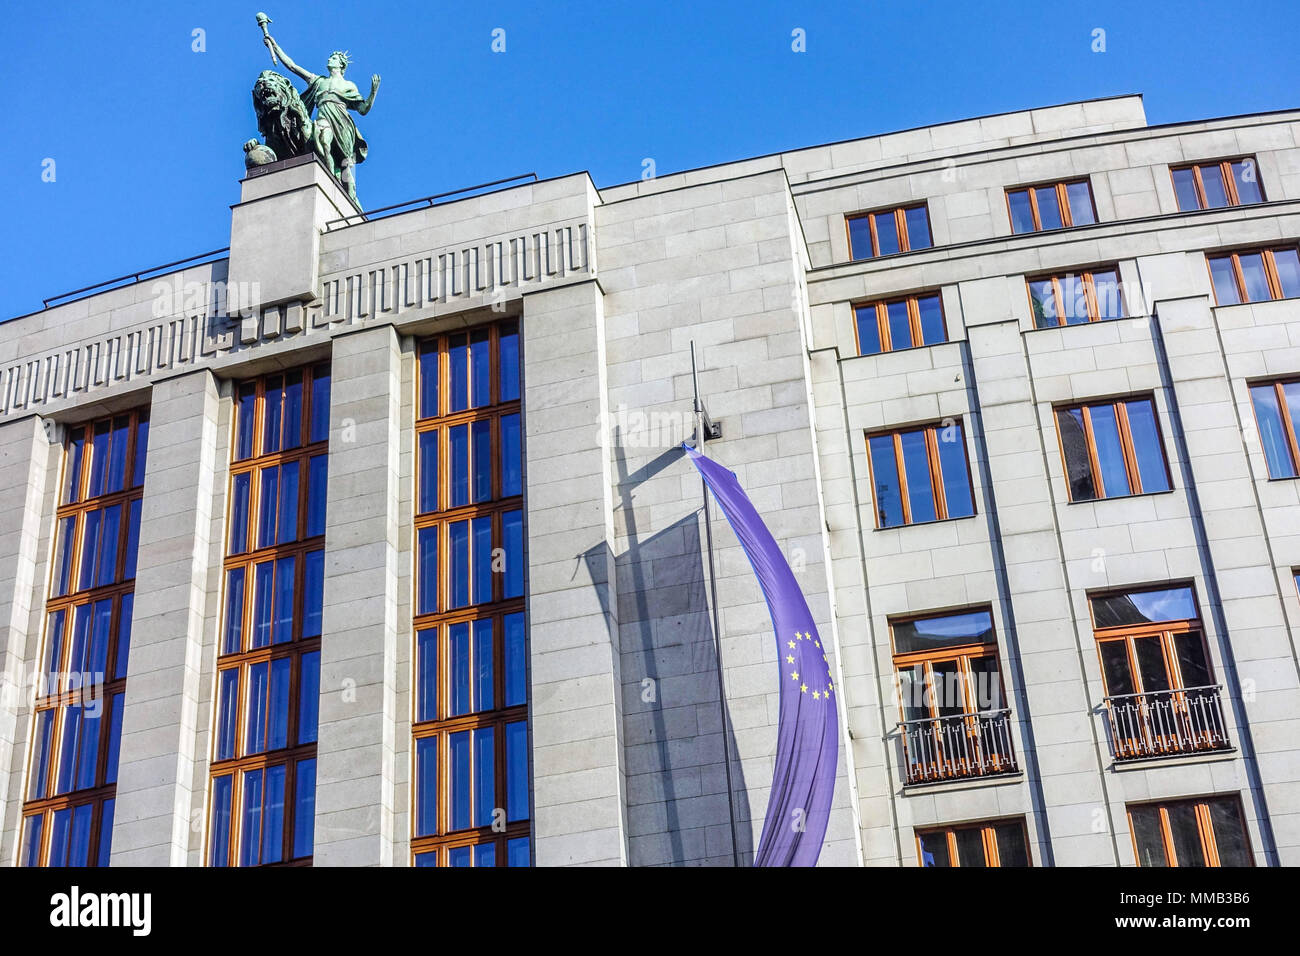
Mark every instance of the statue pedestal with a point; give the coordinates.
(275, 231)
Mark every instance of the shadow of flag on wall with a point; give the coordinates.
(803, 780)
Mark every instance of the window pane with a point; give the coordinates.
(108, 545)
(860, 238)
(79, 843)
(517, 771)
(1185, 190)
(481, 441)
(458, 479)
(89, 549)
(304, 808)
(886, 233)
(932, 327)
(1110, 453)
(1105, 286)
(59, 837)
(72, 467)
(1151, 665)
(1225, 283)
(42, 752)
(228, 713)
(884, 471)
(480, 362)
(946, 689)
(114, 743)
(219, 852)
(1147, 836)
(1245, 173)
(429, 381)
(95, 664)
(1022, 213)
(427, 570)
(313, 597)
(278, 729)
(88, 752)
(428, 472)
(309, 697)
(288, 503)
(934, 849)
(273, 820)
(1193, 668)
(1288, 271)
(272, 407)
(1144, 607)
(96, 484)
(104, 854)
(292, 410)
(1049, 210)
(426, 786)
(252, 827)
(1216, 194)
(1272, 431)
(132, 540)
(1115, 668)
(234, 611)
(317, 480)
(868, 330)
(246, 403)
(916, 467)
(427, 859)
(458, 856)
(1229, 835)
(943, 630)
(63, 544)
(986, 683)
(1146, 445)
(900, 326)
(512, 533)
(1254, 277)
(1079, 196)
(482, 551)
(459, 785)
(458, 564)
(517, 852)
(484, 686)
(255, 710)
(912, 694)
(458, 649)
(918, 228)
(484, 775)
(117, 453)
(284, 571)
(320, 403)
(516, 660)
(1185, 835)
(54, 636)
(458, 373)
(508, 361)
(32, 827)
(239, 513)
(970, 847)
(512, 475)
(123, 653)
(426, 664)
(485, 854)
(1074, 300)
(958, 497)
(269, 482)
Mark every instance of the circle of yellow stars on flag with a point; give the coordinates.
(817, 694)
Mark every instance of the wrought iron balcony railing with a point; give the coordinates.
(958, 746)
(1167, 722)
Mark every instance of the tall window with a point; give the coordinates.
(992, 843)
(904, 323)
(1051, 206)
(1074, 299)
(887, 231)
(1205, 832)
(268, 666)
(920, 474)
(1160, 689)
(1112, 449)
(77, 719)
(470, 720)
(1232, 182)
(1277, 416)
(955, 723)
(1255, 275)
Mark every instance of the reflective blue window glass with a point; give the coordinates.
(916, 467)
(511, 457)
(132, 540)
(508, 363)
(1146, 445)
(459, 784)
(313, 596)
(426, 786)
(428, 472)
(426, 665)
(234, 630)
(272, 408)
(958, 498)
(251, 831)
(32, 830)
(512, 534)
(480, 357)
(868, 330)
(484, 775)
(860, 238)
(245, 415)
(1079, 196)
(255, 715)
(517, 771)
(273, 816)
(283, 626)
(900, 326)
(320, 403)
(269, 482)
(481, 442)
(239, 513)
(918, 227)
(458, 478)
(1110, 452)
(884, 472)
(104, 853)
(517, 853)
(429, 381)
(227, 713)
(123, 654)
(1022, 212)
(114, 738)
(278, 707)
(516, 660)
(309, 697)
(484, 695)
(1272, 431)
(458, 373)
(459, 856)
(485, 854)
(304, 807)
(89, 549)
(292, 410)
(288, 517)
(427, 570)
(481, 528)
(79, 839)
(458, 561)
(932, 326)
(219, 844)
(458, 650)
(108, 545)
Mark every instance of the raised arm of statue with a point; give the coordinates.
(306, 75)
(369, 101)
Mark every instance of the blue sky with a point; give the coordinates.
(145, 133)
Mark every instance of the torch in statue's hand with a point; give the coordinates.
(262, 21)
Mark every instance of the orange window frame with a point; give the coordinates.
(961, 655)
(1229, 181)
(1058, 295)
(1062, 201)
(58, 697)
(988, 837)
(443, 617)
(881, 309)
(1167, 632)
(1288, 424)
(932, 463)
(1204, 829)
(295, 649)
(900, 224)
(1239, 277)
(1126, 445)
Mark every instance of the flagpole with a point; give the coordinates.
(700, 437)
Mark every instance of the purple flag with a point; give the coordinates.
(807, 743)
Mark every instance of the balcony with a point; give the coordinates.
(958, 747)
(1167, 723)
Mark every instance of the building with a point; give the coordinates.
(391, 513)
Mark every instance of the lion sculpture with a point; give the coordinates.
(282, 119)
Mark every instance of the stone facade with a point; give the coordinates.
(750, 261)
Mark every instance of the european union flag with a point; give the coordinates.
(803, 780)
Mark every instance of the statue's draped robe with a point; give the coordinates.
(332, 105)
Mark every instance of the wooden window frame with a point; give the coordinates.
(1126, 445)
(443, 617)
(1229, 182)
(59, 697)
(881, 307)
(247, 656)
(1204, 827)
(1086, 276)
(1062, 203)
(900, 223)
(1266, 253)
(1289, 426)
(988, 836)
(932, 462)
